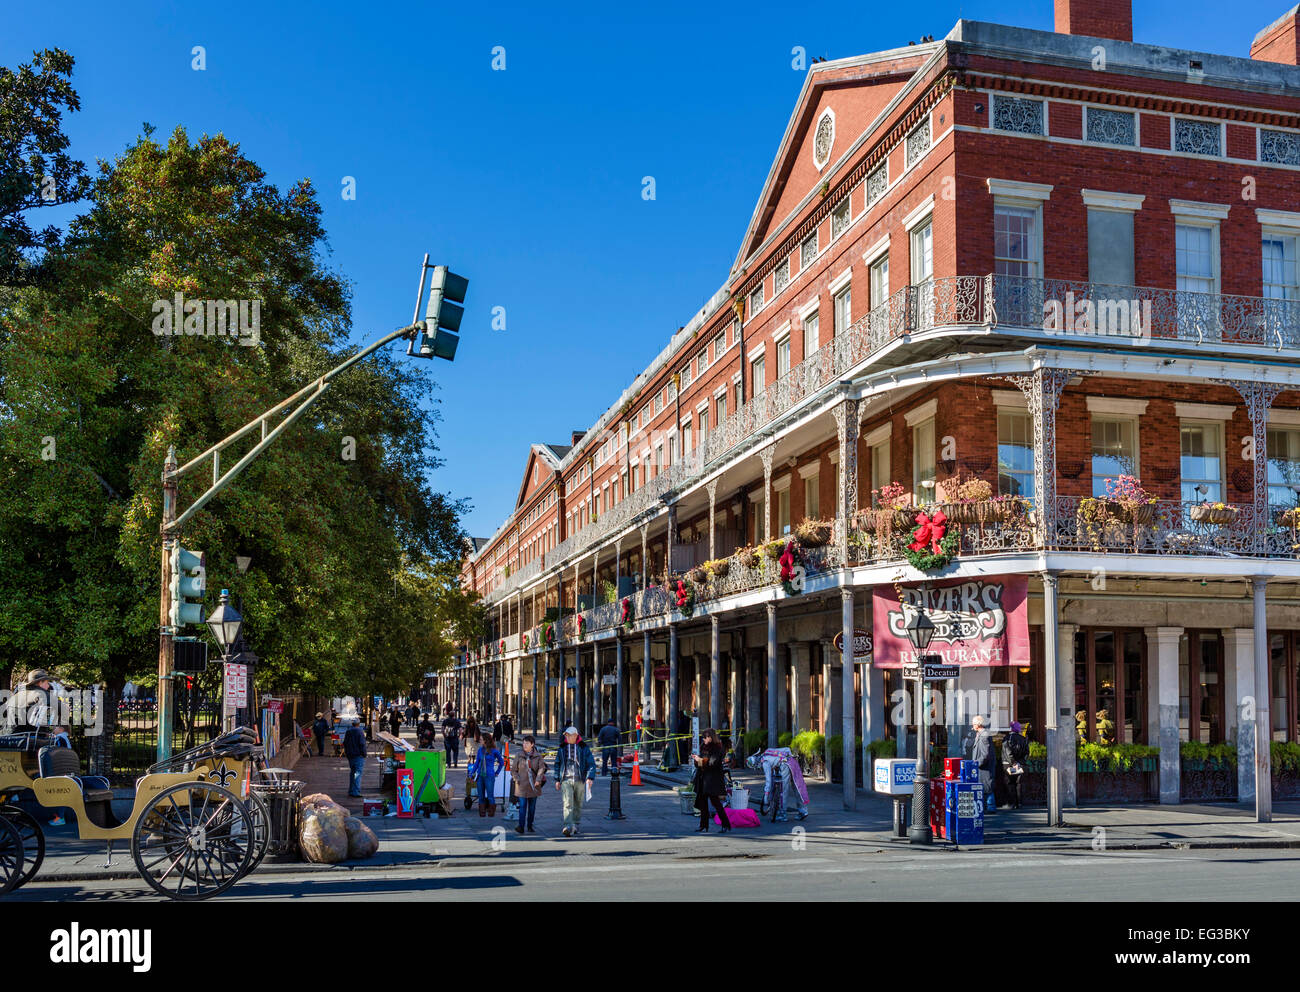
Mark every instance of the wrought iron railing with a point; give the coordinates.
(1056, 306)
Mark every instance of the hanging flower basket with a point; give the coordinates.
(1141, 514)
(748, 557)
(814, 533)
(698, 576)
(717, 568)
(1213, 513)
(934, 544)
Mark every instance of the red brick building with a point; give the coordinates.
(1041, 261)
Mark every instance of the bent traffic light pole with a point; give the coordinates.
(172, 523)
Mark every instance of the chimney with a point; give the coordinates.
(1096, 18)
(1280, 41)
(577, 436)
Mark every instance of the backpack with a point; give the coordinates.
(1018, 748)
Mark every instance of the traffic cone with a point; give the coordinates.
(636, 768)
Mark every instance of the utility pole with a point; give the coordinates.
(166, 635)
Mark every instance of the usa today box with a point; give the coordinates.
(895, 776)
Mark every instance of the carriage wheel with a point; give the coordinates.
(33, 840)
(193, 841)
(261, 815)
(11, 857)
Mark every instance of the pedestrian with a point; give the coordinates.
(451, 738)
(319, 729)
(640, 724)
(395, 722)
(426, 732)
(487, 765)
(985, 757)
(498, 729)
(575, 774)
(508, 726)
(354, 749)
(412, 714)
(709, 780)
(471, 733)
(529, 770)
(1015, 752)
(609, 750)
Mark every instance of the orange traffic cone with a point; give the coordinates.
(636, 768)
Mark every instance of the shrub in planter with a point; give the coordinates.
(753, 740)
(784, 739)
(809, 745)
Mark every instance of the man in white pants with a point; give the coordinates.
(575, 773)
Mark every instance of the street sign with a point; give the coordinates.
(931, 672)
(861, 644)
(236, 686)
(609, 680)
(189, 655)
(275, 705)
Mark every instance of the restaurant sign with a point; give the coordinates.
(978, 623)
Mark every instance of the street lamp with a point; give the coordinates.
(225, 625)
(920, 631)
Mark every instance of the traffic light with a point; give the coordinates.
(439, 339)
(187, 586)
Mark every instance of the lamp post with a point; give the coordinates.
(920, 629)
(225, 625)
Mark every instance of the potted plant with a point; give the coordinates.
(698, 575)
(773, 550)
(1138, 505)
(684, 597)
(1213, 513)
(814, 533)
(717, 568)
(894, 507)
(788, 561)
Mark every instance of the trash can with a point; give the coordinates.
(739, 798)
(281, 799)
(687, 796)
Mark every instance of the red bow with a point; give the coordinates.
(929, 531)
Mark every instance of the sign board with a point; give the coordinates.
(895, 776)
(609, 680)
(978, 623)
(405, 793)
(648, 707)
(275, 705)
(571, 682)
(189, 655)
(931, 672)
(861, 644)
(552, 681)
(662, 672)
(236, 686)
(695, 735)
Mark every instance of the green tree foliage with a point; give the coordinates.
(345, 552)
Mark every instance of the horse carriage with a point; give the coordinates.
(195, 826)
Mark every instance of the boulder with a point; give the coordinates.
(362, 842)
(322, 835)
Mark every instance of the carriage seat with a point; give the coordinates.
(64, 761)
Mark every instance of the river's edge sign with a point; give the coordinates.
(861, 644)
(978, 623)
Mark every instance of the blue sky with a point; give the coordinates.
(528, 180)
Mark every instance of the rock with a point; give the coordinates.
(318, 799)
(362, 842)
(322, 835)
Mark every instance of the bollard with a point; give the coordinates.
(900, 817)
(615, 795)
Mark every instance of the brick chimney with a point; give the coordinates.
(576, 437)
(1280, 41)
(1096, 18)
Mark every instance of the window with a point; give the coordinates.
(1109, 685)
(808, 251)
(783, 512)
(686, 375)
(740, 395)
(758, 375)
(1110, 247)
(781, 277)
(686, 439)
(722, 407)
(756, 300)
(1197, 137)
(759, 520)
(1283, 651)
(810, 334)
(783, 356)
(812, 497)
(1196, 251)
(1280, 147)
(1200, 687)
(880, 467)
(1015, 453)
(1114, 451)
(842, 306)
(1111, 127)
(922, 459)
(1202, 461)
(1280, 275)
(923, 254)
(1013, 113)
(672, 449)
(659, 460)
(1283, 466)
(1017, 249)
(879, 282)
(840, 218)
(703, 418)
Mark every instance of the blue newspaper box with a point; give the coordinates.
(970, 771)
(963, 812)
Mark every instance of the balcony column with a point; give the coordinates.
(715, 674)
(767, 454)
(674, 702)
(753, 682)
(846, 688)
(532, 700)
(671, 541)
(1067, 745)
(713, 493)
(645, 568)
(1042, 389)
(800, 681)
(1263, 689)
(846, 500)
(828, 651)
(771, 675)
(1164, 691)
(1239, 687)
(734, 662)
(647, 693)
(620, 697)
(1259, 398)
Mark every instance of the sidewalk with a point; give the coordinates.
(655, 826)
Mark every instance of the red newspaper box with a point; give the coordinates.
(952, 769)
(938, 792)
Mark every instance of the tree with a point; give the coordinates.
(81, 365)
(35, 169)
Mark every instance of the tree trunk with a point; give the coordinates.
(101, 746)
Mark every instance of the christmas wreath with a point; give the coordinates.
(788, 561)
(626, 618)
(685, 597)
(547, 634)
(582, 625)
(933, 545)
(502, 648)
(525, 642)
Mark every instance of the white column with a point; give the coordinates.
(1263, 691)
(1165, 690)
(846, 695)
(1067, 742)
(828, 730)
(801, 689)
(1239, 689)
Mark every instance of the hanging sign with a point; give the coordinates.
(978, 623)
(861, 644)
